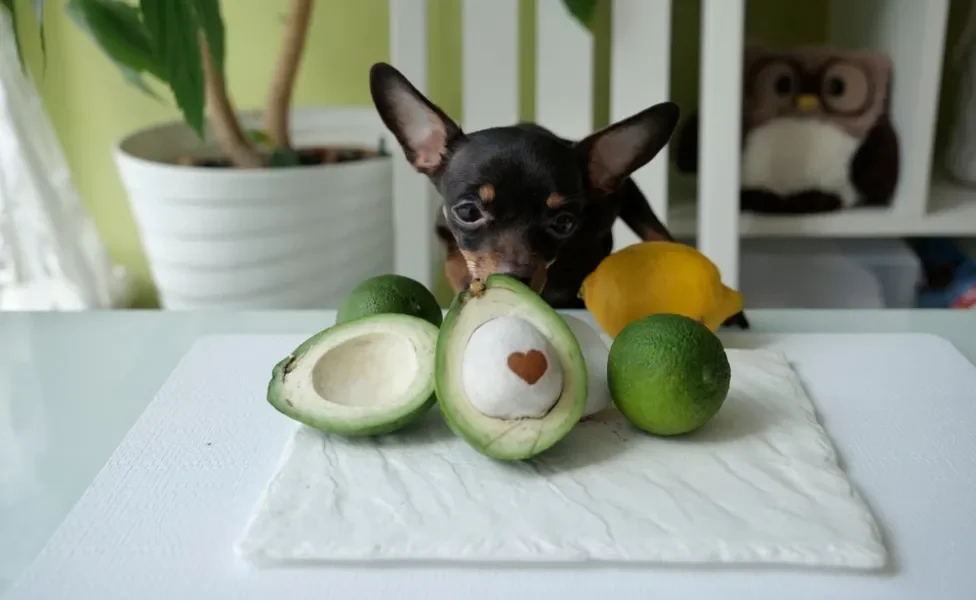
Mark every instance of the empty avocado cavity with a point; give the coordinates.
(365, 377)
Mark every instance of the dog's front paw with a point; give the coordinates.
(737, 320)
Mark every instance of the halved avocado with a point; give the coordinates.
(499, 298)
(366, 377)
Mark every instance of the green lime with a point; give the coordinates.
(386, 294)
(668, 374)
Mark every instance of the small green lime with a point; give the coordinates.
(385, 294)
(668, 374)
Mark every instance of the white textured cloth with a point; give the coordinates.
(759, 484)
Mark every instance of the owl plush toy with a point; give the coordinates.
(816, 131)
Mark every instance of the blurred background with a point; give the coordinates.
(108, 199)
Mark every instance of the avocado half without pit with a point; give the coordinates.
(366, 377)
(511, 379)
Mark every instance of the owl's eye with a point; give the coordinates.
(784, 85)
(772, 83)
(835, 86)
(845, 88)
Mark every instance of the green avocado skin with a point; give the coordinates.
(390, 294)
(668, 374)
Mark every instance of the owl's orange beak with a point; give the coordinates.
(807, 102)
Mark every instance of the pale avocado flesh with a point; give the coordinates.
(501, 438)
(366, 377)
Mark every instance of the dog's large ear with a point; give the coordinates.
(425, 133)
(612, 154)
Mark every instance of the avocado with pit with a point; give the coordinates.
(367, 377)
(510, 379)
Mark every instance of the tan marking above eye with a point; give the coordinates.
(555, 200)
(529, 366)
(486, 192)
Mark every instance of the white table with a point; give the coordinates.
(71, 385)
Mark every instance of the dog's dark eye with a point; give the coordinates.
(468, 213)
(563, 225)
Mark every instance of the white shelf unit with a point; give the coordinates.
(911, 31)
(950, 210)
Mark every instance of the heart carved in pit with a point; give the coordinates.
(530, 366)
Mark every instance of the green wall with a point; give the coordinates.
(92, 108)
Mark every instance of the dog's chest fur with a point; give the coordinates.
(578, 259)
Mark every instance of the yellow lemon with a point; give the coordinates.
(658, 277)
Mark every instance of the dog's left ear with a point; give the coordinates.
(423, 130)
(612, 154)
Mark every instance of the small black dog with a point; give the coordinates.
(520, 200)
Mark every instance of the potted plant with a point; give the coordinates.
(277, 208)
(262, 209)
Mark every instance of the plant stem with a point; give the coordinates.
(279, 95)
(230, 135)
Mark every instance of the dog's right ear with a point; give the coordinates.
(425, 133)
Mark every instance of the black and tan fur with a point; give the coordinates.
(521, 200)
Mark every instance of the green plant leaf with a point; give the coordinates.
(582, 10)
(284, 157)
(117, 30)
(260, 138)
(173, 30)
(212, 22)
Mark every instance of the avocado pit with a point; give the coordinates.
(511, 370)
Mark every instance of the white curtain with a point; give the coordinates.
(50, 255)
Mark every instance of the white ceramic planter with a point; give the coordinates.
(261, 239)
